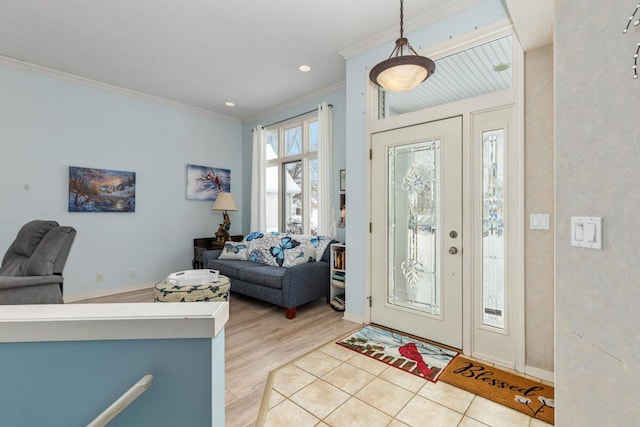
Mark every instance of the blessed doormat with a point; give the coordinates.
(412, 355)
(522, 394)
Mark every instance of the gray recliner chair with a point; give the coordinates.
(31, 271)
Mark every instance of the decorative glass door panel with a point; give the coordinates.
(416, 211)
(493, 242)
(414, 231)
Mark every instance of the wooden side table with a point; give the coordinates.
(203, 244)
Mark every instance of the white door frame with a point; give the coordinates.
(511, 97)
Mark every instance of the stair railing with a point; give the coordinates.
(123, 401)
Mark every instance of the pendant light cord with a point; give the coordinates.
(401, 18)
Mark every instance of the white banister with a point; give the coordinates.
(123, 401)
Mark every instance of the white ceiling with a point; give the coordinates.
(204, 52)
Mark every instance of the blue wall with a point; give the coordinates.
(68, 384)
(337, 99)
(477, 16)
(48, 124)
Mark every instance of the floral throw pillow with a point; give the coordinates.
(233, 250)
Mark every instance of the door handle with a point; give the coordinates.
(453, 250)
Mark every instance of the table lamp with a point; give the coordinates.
(224, 202)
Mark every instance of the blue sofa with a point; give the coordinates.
(287, 287)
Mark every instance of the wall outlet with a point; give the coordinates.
(99, 278)
(132, 273)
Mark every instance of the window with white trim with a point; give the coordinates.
(292, 176)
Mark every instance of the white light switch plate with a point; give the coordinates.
(586, 231)
(539, 221)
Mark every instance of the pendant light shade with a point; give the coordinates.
(404, 69)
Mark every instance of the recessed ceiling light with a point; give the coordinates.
(230, 104)
(304, 68)
(502, 67)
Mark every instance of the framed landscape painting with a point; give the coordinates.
(205, 182)
(101, 190)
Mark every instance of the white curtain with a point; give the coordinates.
(258, 186)
(327, 213)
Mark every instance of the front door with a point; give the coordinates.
(417, 230)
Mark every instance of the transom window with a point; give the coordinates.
(292, 176)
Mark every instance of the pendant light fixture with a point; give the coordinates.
(402, 71)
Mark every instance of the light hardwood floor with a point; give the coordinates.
(258, 340)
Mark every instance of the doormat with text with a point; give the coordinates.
(514, 391)
(412, 355)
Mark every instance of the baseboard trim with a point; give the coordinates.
(106, 292)
(528, 370)
(540, 373)
(499, 363)
(353, 318)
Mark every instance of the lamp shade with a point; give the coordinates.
(401, 73)
(224, 202)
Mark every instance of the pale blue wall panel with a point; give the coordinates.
(48, 124)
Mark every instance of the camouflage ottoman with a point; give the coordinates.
(213, 291)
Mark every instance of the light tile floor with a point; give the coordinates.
(336, 387)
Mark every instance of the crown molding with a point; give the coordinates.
(533, 22)
(336, 87)
(411, 24)
(62, 75)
